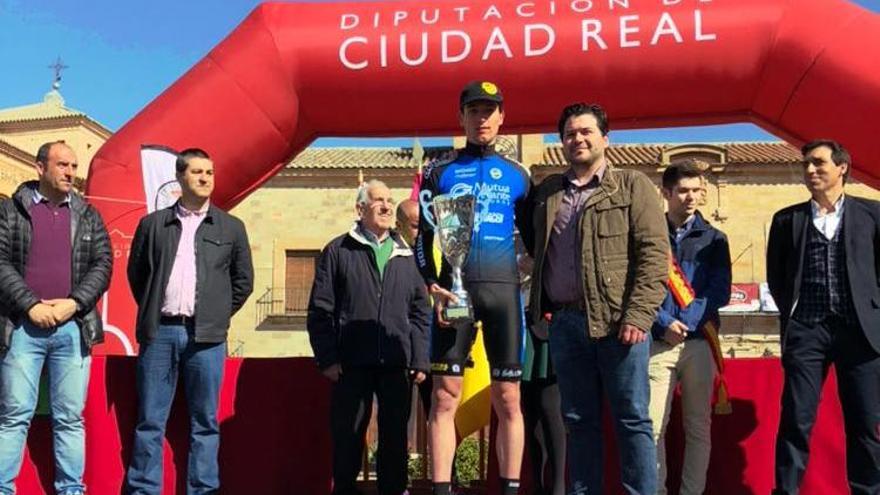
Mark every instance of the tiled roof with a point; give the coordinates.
(763, 153)
(363, 157)
(647, 154)
(51, 107)
(623, 154)
(620, 155)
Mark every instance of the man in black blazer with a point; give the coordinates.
(189, 271)
(824, 274)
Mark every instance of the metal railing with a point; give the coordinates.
(282, 301)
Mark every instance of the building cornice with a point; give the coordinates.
(17, 153)
(55, 123)
(403, 177)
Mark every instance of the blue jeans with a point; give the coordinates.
(67, 361)
(174, 351)
(588, 369)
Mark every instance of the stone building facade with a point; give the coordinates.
(311, 201)
(23, 129)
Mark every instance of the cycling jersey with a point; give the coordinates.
(500, 186)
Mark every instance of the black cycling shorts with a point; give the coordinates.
(499, 307)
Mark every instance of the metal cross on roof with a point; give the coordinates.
(58, 66)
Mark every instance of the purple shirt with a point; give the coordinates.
(180, 293)
(563, 282)
(48, 269)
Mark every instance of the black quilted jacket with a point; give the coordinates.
(92, 263)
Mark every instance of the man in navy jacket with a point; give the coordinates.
(680, 351)
(368, 325)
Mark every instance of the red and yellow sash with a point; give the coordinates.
(684, 295)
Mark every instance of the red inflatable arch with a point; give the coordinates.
(293, 72)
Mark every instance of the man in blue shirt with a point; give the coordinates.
(822, 266)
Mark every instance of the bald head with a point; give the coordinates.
(408, 220)
(56, 168)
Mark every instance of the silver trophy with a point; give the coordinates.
(454, 217)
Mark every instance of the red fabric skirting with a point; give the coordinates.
(274, 417)
(743, 443)
(275, 430)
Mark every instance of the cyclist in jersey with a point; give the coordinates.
(500, 186)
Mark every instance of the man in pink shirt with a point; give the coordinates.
(190, 270)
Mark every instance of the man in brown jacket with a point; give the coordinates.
(598, 236)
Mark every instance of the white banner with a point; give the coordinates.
(767, 302)
(160, 185)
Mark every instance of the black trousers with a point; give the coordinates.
(545, 434)
(351, 407)
(807, 353)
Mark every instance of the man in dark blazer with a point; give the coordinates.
(190, 270)
(823, 272)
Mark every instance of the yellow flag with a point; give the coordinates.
(476, 405)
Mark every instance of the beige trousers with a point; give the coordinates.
(689, 363)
